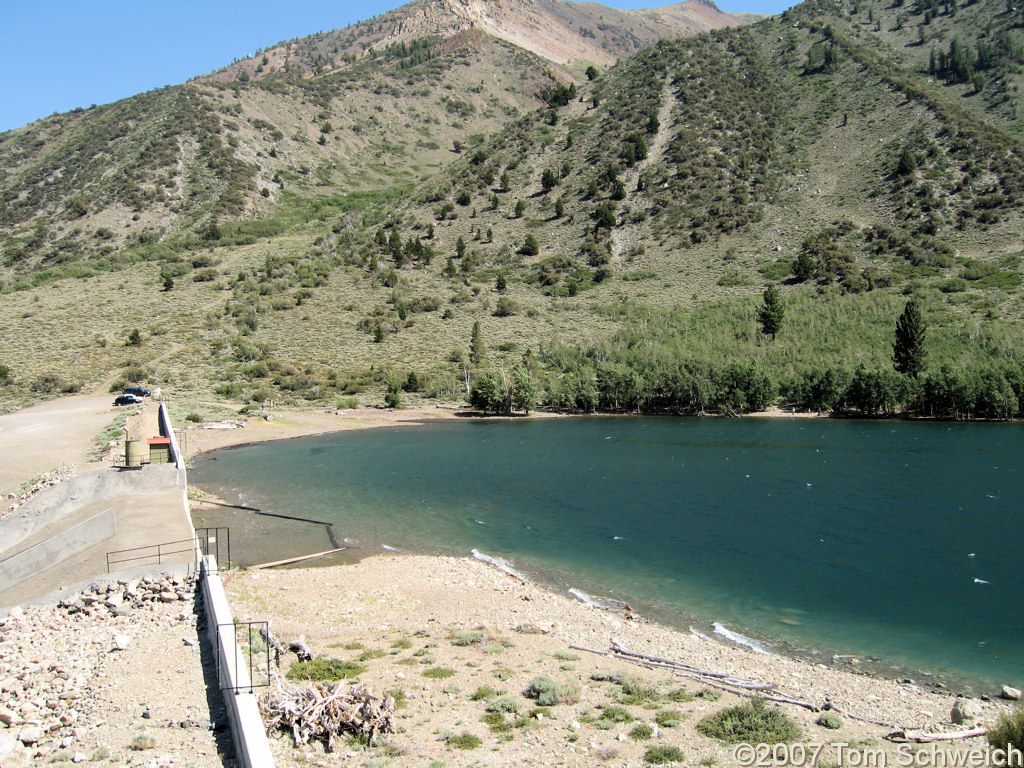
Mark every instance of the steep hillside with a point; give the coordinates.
(440, 215)
(375, 105)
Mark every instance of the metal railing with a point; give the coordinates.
(251, 653)
(216, 542)
(151, 551)
(207, 541)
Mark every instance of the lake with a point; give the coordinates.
(894, 541)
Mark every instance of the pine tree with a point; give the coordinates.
(476, 345)
(908, 352)
(772, 312)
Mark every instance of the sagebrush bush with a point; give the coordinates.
(663, 755)
(323, 668)
(549, 692)
(1009, 729)
(830, 720)
(750, 723)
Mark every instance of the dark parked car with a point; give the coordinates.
(127, 400)
(137, 391)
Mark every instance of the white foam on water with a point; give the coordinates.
(739, 639)
(607, 603)
(390, 549)
(498, 562)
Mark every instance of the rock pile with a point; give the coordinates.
(44, 481)
(52, 658)
(122, 598)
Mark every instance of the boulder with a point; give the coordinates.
(1011, 693)
(965, 711)
(7, 743)
(121, 642)
(30, 735)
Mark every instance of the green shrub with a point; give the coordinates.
(503, 703)
(610, 716)
(830, 720)
(641, 733)
(482, 693)
(464, 740)
(549, 692)
(323, 668)
(664, 755)
(749, 723)
(681, 695)
(438, 673)
(467, 637)
(635, 692)
(141, 742)
(668, 718)
(566, 656)
(1009, 729)
(194, 417)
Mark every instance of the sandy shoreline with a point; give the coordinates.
(400, 616)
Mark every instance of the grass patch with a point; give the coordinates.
(141, 742)
(464, 740)
(750, 723)
(323, 668)
(664, 755)
(438, 673)
(612, 716)
(566, 656)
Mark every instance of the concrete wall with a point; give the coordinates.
(252, 749)
(57, 548)
(167, 430)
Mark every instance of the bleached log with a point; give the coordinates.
(921, 736)
(301, 649)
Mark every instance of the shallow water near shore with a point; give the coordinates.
(897, 541)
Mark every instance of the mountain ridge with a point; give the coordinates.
(564, 33)
(610, 229)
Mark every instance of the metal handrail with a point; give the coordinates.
(250, 660)
(199, 545)
(160, 553)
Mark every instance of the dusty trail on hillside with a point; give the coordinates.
(623, 238)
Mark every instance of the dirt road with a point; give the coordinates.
(50, 435)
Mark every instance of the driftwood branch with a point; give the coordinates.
(921, 736)
(299, 559)
(271, 640)
(301, 649)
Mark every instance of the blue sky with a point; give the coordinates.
(56, 55)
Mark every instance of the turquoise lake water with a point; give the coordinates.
(894, 541)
